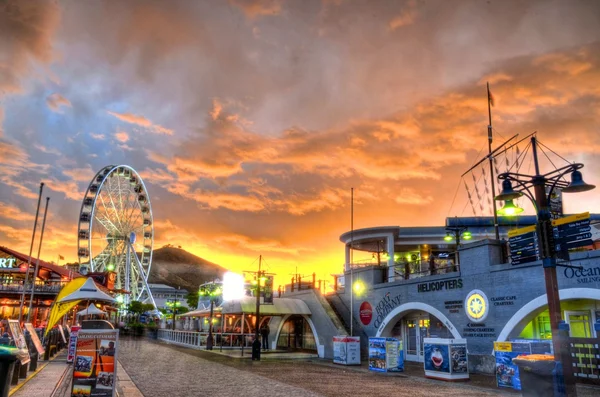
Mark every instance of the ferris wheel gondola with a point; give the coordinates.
(116, 231)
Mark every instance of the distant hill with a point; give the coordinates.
(178, 268)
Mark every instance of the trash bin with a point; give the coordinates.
(537, 374)
(256, 349)
(8, 357)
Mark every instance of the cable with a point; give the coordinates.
(558, 155)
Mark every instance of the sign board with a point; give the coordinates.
(386, 355)
(445, 359)
(34, 338)
(523, 243)
(95, 363)
(570, 232)
(72, 343)
(555, 202)
(267, 291)
(62, 334)
(19, 339)
(346, 350)
(8, 263)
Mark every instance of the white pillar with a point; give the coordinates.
(390, 250)
(347, 264)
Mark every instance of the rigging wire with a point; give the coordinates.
(460, 181)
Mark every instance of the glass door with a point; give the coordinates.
(579, 324)
(416, 330)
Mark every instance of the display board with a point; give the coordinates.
(72, 343)
(19, 339)
(445, 358)
(34, 338)
(346, 350)
(507, 373)
(95, 363)
(523, 243)
(386, 355)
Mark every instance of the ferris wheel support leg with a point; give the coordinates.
(128, 273)
(144, 277)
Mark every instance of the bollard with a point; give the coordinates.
(23, 371)
(33, 353)
(7, 365)
(568, 388)
(15, 376)
(256, 349)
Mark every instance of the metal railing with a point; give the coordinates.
(197, 340)
(53, 288)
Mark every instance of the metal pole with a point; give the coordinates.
(128, 272)
(209, 339)
(561, 353)
(351, 261)
(37, 212)
(490, 136)
(37, 262)
(256, 334)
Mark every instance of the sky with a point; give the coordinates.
(250, 121)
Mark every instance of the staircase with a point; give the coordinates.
(343, 313)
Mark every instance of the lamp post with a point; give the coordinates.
(540, 199)
(454, 233)
(212, 290)
(174, 303)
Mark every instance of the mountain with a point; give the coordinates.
(178, 268)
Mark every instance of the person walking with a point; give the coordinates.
(264, 332)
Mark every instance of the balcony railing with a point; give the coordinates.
(415, 269)
(51, 288)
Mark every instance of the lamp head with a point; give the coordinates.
(507, 193)
(466, 235)
(509, 209)
(448, 237)
(577, 184)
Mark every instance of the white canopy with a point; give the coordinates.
(88, 291)
(91, 310)
(280, 306)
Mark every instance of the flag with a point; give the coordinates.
(490, 97)
(62, 258)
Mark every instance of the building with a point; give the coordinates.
(429, 288)
(50, 279)
(164, 295)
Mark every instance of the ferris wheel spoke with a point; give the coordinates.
(107, 212)
(110, 194)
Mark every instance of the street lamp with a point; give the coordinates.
(212, 291)
(540, 199)
(174, 302)
(454, 233)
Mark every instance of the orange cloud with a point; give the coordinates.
(56, 101)
(122, 136)
(141, 121)
(406, 17)
(254, 8)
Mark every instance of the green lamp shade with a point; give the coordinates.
(509, 209)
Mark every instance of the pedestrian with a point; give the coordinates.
(264, 332)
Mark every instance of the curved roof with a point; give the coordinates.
(280, 306)
(43, 264)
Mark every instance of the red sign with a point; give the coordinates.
(366, 313)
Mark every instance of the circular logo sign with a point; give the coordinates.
(476, 306)
(366, 313)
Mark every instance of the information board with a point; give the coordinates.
(34, 338)
(72, 343)
(570, 232)
(19, 339)
(95, 363)
(523, 243)
(346, 350)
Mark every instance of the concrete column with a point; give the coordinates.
(347, 264)
(390, 250)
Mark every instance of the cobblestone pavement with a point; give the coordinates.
(43, 383)
(159, 369)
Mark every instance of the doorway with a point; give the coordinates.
(416, 329)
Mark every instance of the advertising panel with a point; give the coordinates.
(72, 343)
(458, 354)
(377, 354)
(436, 358)
(34, 338)
(94, 368)
(19, 339)
(394, 357)
(267, 291)
(346, 350)
(507, 373)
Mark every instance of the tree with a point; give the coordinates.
(192, 299)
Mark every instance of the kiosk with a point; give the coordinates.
(386, 355)
(446, 359)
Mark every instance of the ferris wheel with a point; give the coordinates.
(116, 231)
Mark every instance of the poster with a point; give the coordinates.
(62, 334)
(72, 343)
(394, 355)
(19, 339)
(346, 350)
(436, 358)
(34, 338)
(377, 356)
(507, 373)
(458, 354)
(94, 365)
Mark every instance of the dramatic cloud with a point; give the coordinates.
(281, 107)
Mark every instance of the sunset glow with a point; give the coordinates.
(250, 121)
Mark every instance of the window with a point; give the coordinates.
(543, 327)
